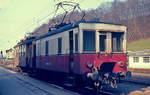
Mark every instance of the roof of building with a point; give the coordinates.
(140, 53)
(9, 50)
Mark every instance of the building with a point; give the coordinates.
(139, 59)
(10, 54)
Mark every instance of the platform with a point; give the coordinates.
(12, 83)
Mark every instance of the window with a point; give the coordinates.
(38, 49)
(88, 40)
(146, 59)
(117, 39)
(76, 42)
(135, 59)
(59, 45)
(46, 48)
(71, 46)
(102, 43)
(22, 50)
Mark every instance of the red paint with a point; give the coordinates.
(54, 63)
(100, 59)
(61, 62)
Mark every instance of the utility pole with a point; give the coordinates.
(1, 57)
(1, 52)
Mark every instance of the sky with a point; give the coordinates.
(19, 17)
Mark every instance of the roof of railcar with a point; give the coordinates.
(70, 26)
(26, 41)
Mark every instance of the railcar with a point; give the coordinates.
(92, 49)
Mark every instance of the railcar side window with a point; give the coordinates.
(117, 40)
(46, 48)
(76, 42)
(88, 40)
(102, 43)
(59, 45)
(38, 49)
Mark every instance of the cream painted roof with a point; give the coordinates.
(140, 53)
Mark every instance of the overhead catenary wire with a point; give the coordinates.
(53, 14)
(69, 3)
(61, 5)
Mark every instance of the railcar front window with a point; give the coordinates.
(102, 43)
(117, 40)
(89, 41)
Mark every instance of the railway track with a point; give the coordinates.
(136, 82)
(76, 89)
(81, 90)
(89, 90)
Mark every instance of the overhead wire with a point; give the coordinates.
(71, 4)
(55, 12)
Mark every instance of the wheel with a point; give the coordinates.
(113, 83)
(98, 87)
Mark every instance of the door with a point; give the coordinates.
(71, 56)
(34, 57)
(28, 55)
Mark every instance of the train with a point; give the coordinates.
(93, 52)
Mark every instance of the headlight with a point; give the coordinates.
(121, 64)
(89, 65)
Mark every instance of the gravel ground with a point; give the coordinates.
(129, 88)
(141, 78)
(139, 84)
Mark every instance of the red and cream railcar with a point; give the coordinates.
(70, 48)
(74, 48)
(27, 53)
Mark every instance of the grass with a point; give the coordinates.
(139, 45)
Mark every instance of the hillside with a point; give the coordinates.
(139, 45)
(131, 13)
